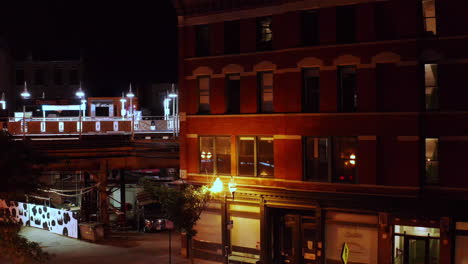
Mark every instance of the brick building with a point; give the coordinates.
(342, 122)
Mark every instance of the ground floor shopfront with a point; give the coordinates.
(255, 227)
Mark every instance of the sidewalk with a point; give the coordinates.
(122, 247)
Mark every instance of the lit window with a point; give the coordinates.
(264, 33)
(429, 14)
(416, 244)
(345, 159)
(204, 93)
(432, 160)
(266, 92)
(431, 86)
(256, 156)
(215, 155)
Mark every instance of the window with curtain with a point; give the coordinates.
(431, 86)
(264, 33)
(204, 94)
(429, 15)
(266, 91)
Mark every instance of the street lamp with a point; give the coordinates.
(122, 110)
(175, 107)
(3, 102)
(130, 95)
(25, 95)
(80, 94)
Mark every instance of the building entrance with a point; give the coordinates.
(296, 237)
(416, 245)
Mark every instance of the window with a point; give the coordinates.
(19, 76)
(432, 160)
(74, 77)
(265, 80)
(264, 33)
(416, 244)
(204, 94)
(39, 76)
(317, 159)
(345, 24)
(256, 156)
(309, 28)
(347, 93)
(202, 41)
(344, 159)
(232, 37)
(233, 93)
(215, 155)
(58, 76)
(310, 90)
(431, 86)
(429, 14)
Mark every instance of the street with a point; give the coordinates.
(122, 247)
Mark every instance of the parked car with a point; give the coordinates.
(152, 219)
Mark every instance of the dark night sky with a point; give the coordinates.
(120, 41)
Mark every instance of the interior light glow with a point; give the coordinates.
(217, 186)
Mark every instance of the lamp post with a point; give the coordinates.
(130, 95)
(174, 96)
(80, 94)
(25, 95)
(218, 187)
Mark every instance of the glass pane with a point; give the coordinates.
(429, 8)
(264, 33)
(206, 155)
(430, 73)
(345, 159)
(461, 254)
(418, 231)
(267, 91)
(432, 161)
(416, 251)
(317, 159)
(246, 156)
(311, 90)
(223, 155)
(434, 249)
(204, 90)
(399, 249)
(432, 94)
(265, 157)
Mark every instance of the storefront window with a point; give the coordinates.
(206, 155)
(358, 231)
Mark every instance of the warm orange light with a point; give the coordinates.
(352, 156)
(208, 155)
(203, 155)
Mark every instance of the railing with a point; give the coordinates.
(36, 126)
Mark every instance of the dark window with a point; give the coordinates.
(19, 77)
(102, 111)
(345, 24)
(74, 77)
(204, 94)
(432, 160)
(58, 76)
(202, 41)
(215, 155)
(310, 90)
(264, 33)
(39, 77)
(431, 86)
(347, 92)
(429, 15)
(232, 37)
(233, 93)
(344, 159)
(317, 159)
(265, 81)
(256, 156)
(309, 28)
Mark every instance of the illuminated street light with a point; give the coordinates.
(130, 95)
(217, 186)
(3, 102)
(123, 101)
(25, 94)
(80, 93)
